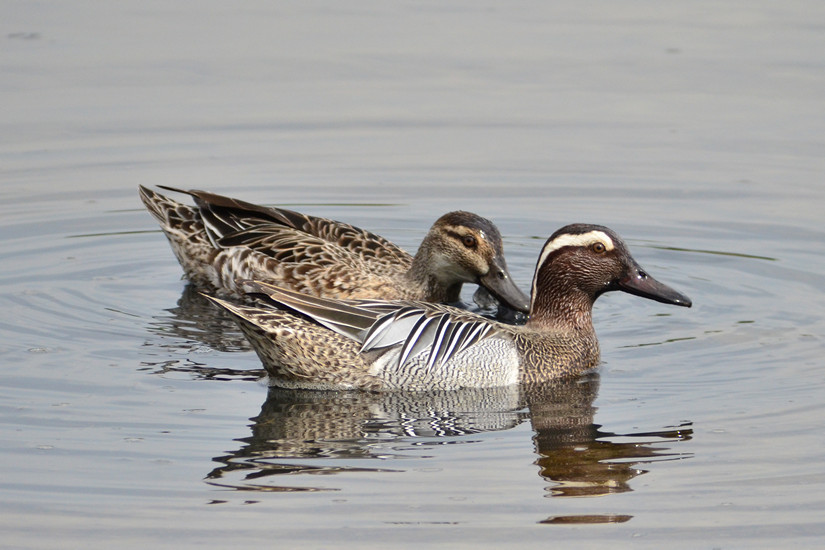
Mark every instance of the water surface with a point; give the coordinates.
(131, 412)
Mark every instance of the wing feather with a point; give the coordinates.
(418, 328)
(231, 221)
(347, 319)
(391, 329)
(418, 339)
(414, 326)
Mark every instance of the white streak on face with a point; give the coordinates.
(568, 239)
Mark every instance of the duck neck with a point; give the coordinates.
(434, 275)
(562, 310)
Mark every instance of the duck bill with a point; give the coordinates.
(638, 282)
(499, 283)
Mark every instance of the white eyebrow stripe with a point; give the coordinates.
(568, 239)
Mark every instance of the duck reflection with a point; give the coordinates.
(198, 322)
(194, 326)
(313, 432)
(580, 458)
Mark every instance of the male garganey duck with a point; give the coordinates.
(315, 343)
(223, 240)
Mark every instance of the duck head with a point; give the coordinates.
(463, 247)
(579, 263)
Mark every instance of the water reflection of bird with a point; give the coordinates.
(310, 432)
(580, 458)
(193, 319)
(191, 328)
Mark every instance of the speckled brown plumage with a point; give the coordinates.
(298, 353)
(221, 241)
(545, 357)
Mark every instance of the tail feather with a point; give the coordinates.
(225, 215)
(154, 204)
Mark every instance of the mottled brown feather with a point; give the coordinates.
(222, 241)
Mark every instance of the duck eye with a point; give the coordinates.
(469, 241)
(598, 248)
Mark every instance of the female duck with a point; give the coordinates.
(222, 240)
(376, 345)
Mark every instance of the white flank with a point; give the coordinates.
(567, 239)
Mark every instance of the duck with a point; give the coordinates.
(376, 345)
(222, 240)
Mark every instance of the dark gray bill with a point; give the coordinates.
(501, 285)
(638, 282)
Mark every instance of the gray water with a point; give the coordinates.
(131, 413)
